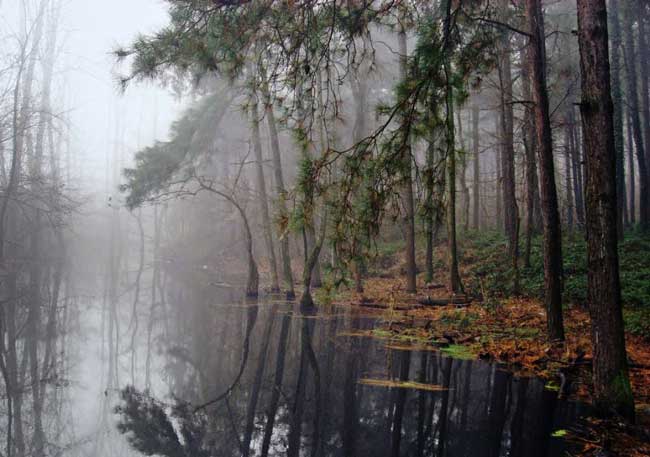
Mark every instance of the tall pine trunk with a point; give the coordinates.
(644, 74)
(476, 182)
(576, 162)
(285, 252)
(464, 210)
(610, 371)
(455, 284)
(429, 213)
(629, 11)
(533, 210)
(552, 248)
(568, 184)
(407, 185)
(261, 189)
(631, 172)
(617, 98)
(510, 210)
(499, 174)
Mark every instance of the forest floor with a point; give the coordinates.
(490, 322)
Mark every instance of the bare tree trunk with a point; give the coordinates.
(310, 223)
(36, 241)
(455, 283)
(261, 189)
(311, 259)
(576, 159)
(49, 357)
(464, 210)
(430, 216)
(155, 261)
(499, 174)
(644, 74)
(360, 92)
(463, 173)
(7, 380)
(633, 100)
(507, 137)
(281, 195)
(8, 228)
(610, 371)
(511, 212)
(631, 175)
(552, 233)
(568, 152)
(532, 184)
(136, 296)
(15, 386)
(476, 186)
(615, 35)
(407, 184)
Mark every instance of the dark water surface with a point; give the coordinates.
(305, 391)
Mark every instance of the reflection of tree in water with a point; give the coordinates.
(289, 385)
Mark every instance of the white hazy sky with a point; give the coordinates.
(92, 29)
(86, 89)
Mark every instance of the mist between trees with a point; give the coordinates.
(316, 135)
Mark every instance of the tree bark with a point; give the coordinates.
(533, 210)
(511, 212)
(610, 371)
(360, 93)
(576, 159)
(285, 252)
(34, 325)
(311, 259)
(617, 97)
(552, 248)
(633, 100)
(261, 189)
(428, 212)
(631, 174)
(507, 137)
(407, 185)
(455, 283)
(499, 175)
(476, 186)
(568, 184)
(644, 74)
(463, 173)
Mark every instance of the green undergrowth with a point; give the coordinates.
(489, 270)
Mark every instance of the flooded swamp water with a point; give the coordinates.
(312, 383)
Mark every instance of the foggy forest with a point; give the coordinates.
(324, 228)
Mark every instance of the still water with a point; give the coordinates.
(312, 383)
